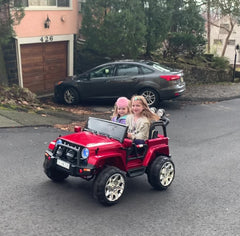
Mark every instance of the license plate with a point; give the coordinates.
(63, 164)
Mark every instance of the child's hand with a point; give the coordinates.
(129, 135)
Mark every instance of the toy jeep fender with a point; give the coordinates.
(102, 152)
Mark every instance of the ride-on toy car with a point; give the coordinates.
(102, 152)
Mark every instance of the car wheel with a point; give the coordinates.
(161, 173)
(70, 96)
(109, 185)
(151, 96)
(55, 175)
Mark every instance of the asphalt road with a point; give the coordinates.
(203, 199)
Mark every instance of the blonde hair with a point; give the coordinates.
(115, 110)
(146, 110)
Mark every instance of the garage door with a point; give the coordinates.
(43, 65)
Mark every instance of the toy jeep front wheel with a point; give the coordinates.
(161, 173)
(109, 185)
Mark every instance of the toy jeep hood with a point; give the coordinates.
(89, 139)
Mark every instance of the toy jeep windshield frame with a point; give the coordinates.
(107, 128)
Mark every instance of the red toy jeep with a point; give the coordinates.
(102, 152)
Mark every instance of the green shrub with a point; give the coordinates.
(220, 63)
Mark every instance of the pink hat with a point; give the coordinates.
(122, 102)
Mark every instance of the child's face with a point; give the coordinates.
(137, 107)
(122, 111)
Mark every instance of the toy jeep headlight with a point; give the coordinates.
(59, 141)
(70, 155)
(85, 153)
(59, 152)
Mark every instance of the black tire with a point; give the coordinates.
(161, 173)
(70, 96)
(58, 99)
(109, 185)
(151, 96)
(55, 175)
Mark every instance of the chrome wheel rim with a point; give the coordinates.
(68, 96)
(149, 96)
(166, 174)
(114, 187)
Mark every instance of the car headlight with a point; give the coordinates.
(85, 153)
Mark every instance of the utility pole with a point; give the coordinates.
(235, 58)
(208, 26)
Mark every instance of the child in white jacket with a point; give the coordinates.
(139, 121)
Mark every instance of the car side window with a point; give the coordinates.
(105, 71)
(146, 70)
(127, 69)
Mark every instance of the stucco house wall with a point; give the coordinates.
(63, 26)
(218, 37)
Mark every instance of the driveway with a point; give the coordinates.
(203, 199)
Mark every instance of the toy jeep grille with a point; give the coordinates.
(68, 151)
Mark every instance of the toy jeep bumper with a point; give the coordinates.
(73, 169)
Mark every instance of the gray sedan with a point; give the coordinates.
(122, 78)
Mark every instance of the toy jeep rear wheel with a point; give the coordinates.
(109, 185)
(161, 173)
(55, 175)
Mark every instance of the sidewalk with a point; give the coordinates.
(193, 93)
(211, 92)
(12, 118)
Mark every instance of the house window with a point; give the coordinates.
(20, 3)
(217, 41)
(43, 3)
(81, 4)
(224, 28)
(231, 42)
(63, 3)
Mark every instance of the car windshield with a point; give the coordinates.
(107, 128)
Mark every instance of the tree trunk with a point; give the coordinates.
(3, 72)
(227, 38)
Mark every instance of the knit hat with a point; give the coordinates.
(122, 102)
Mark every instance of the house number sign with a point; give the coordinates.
(46, 39)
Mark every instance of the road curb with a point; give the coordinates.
(210, 99)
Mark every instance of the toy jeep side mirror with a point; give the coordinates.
(77, 129)
(127, 142)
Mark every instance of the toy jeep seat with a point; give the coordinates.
(156, 127)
